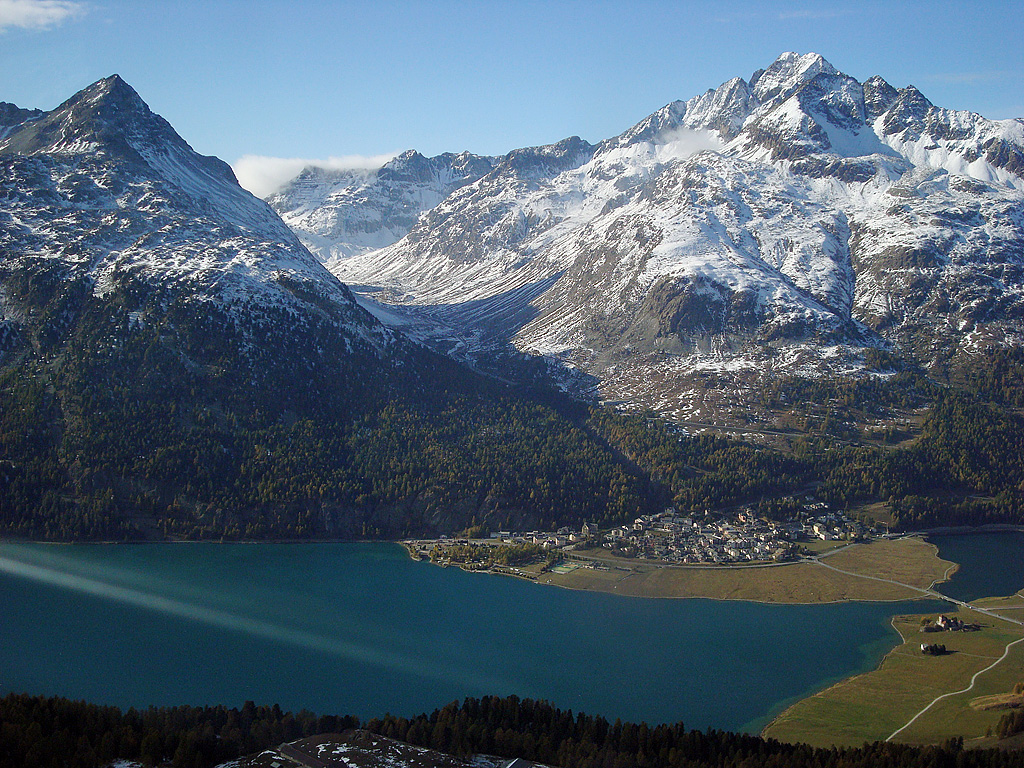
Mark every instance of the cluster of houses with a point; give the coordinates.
(744, 537)
(674, 538)
(563, 538)
(950, 624)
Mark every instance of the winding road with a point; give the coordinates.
(938, 595)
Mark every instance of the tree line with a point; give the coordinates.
(41, 732)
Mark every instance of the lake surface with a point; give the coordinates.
(991, 564)
(362, 629)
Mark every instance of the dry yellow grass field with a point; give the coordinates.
(911, 561)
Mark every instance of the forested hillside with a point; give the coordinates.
(131, 442)
(107, 448)
(964, 468)
(53, 732)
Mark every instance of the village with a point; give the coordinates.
(666, 537)
(739, 538)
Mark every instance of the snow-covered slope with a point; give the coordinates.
(102, 194)
(796, 216)
(338, 213)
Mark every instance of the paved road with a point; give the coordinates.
(929, 592)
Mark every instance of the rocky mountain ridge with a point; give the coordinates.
(103, 192)
(12, 116)
(772, 226)
(341, 213)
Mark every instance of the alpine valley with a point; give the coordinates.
(780, 225)
(831, 270)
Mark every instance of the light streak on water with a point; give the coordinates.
(52, 574)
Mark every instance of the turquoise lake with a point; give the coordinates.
(362, 629)
(991, 564)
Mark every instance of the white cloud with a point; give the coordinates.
(681, 143)
(263, 175)
(37, 14)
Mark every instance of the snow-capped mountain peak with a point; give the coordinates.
(878, 97)
(107, 194)
(109, 122)
(107, 116)
(802, 211)
(339, 213)
(787, 74)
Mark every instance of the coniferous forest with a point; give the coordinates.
(104, 450)
(40, 732)
(205, 426)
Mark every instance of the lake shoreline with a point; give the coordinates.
(940, 531)
(901, 675)
(807, 581)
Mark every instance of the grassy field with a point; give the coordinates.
(1012, 606)
(818, 547)
(874, 705)
(909, 560)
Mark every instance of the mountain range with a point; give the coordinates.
(178, 360)
(773, 226)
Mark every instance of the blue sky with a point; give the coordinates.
(303, 79)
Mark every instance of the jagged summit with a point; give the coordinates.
(109, 124)
(117, 201)
(106, 116)
(548, 160)
(878, 97)
(794, 218)
(788, 73)
(802, 110)
(112, 91)
(339, 213)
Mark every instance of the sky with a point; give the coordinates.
(271, 86)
